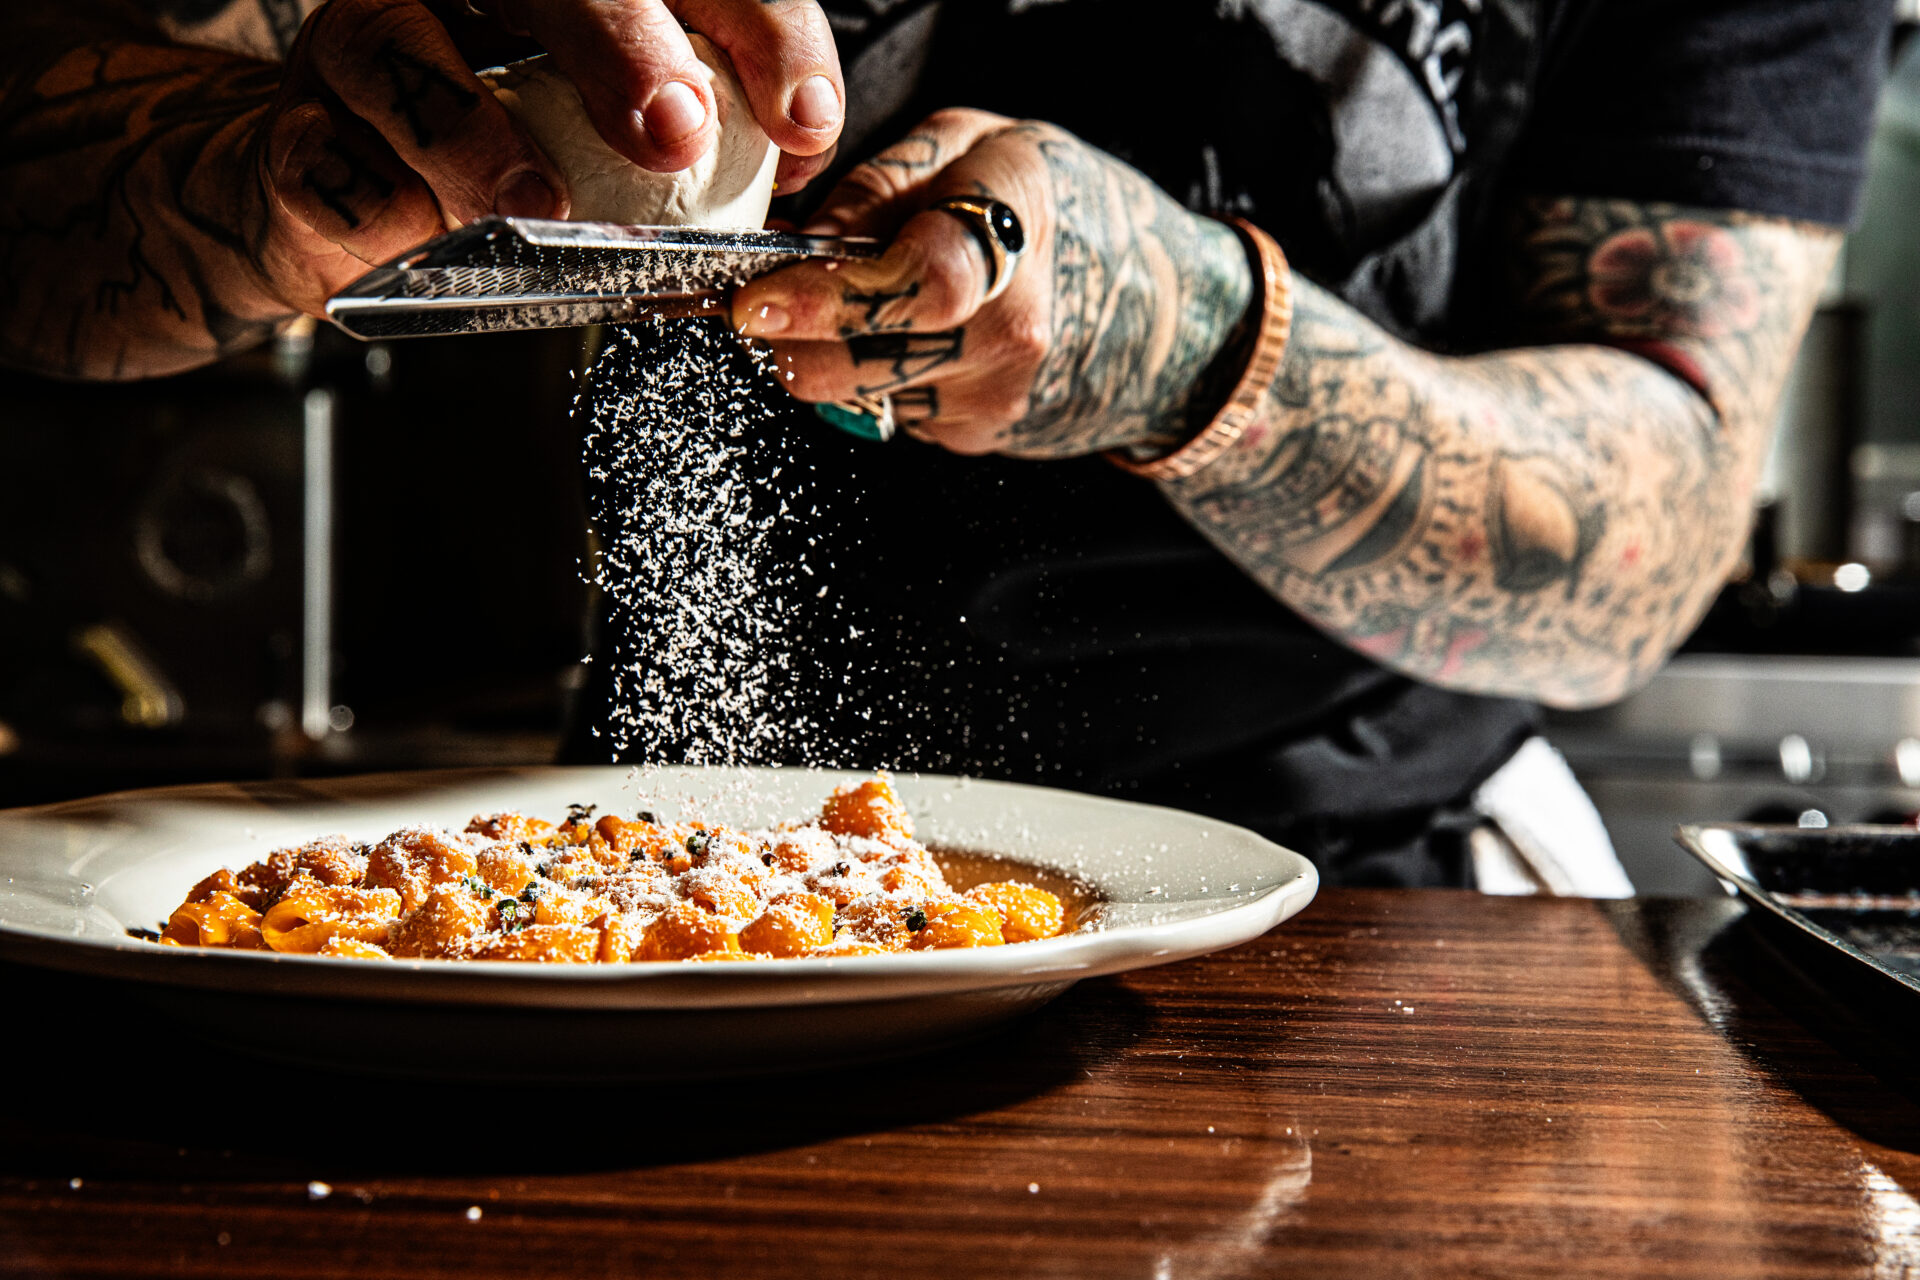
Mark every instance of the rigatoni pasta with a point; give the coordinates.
(615, 890)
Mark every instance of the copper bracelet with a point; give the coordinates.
(1275, 301)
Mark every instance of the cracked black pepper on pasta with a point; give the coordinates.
(854, 881)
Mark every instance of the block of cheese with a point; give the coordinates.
(730, 186)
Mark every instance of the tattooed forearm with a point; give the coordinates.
(126, 198)
(1547, 521)
(1145, 298)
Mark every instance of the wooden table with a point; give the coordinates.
(1396, 1083)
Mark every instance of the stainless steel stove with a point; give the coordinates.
(1716, 738)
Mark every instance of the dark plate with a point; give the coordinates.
(1842, 904)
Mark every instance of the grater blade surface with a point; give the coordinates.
(500, 274)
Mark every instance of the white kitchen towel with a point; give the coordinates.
(1555, 841)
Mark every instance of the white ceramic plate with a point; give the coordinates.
(74, 877)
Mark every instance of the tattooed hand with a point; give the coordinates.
(161, 205)
(1106, 336)
(380, 130)
(378, 138)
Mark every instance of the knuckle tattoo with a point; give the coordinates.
(915, 406)
(879, 312)
(889, 360)
(422, 93)
(341, 180)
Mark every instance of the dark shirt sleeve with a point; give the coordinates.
(1760, 105)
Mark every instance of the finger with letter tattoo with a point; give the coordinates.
(869, 364)
(1107, 331)
(933, 276)
(341, 179)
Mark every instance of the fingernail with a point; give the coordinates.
(676, 112)
(765, 320)
(824, 224)
(815, 105)
(525, 195)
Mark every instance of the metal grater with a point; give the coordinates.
(500, 274)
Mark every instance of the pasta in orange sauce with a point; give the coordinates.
(613, 890)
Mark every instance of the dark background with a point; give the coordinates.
(167, 516)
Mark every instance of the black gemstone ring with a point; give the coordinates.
(998, 231)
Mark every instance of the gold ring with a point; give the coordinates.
(998, 231)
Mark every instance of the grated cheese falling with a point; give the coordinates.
(682, 493)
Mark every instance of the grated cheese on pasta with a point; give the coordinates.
(854, 881)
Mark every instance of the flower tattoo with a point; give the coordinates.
(1677, 278)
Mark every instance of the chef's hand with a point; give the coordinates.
(647, 92)
(1118, 307)
(379, 126)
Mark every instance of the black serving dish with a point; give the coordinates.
(1837, 909)
(1854, 890)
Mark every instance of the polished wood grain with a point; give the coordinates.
(1395, 1083)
